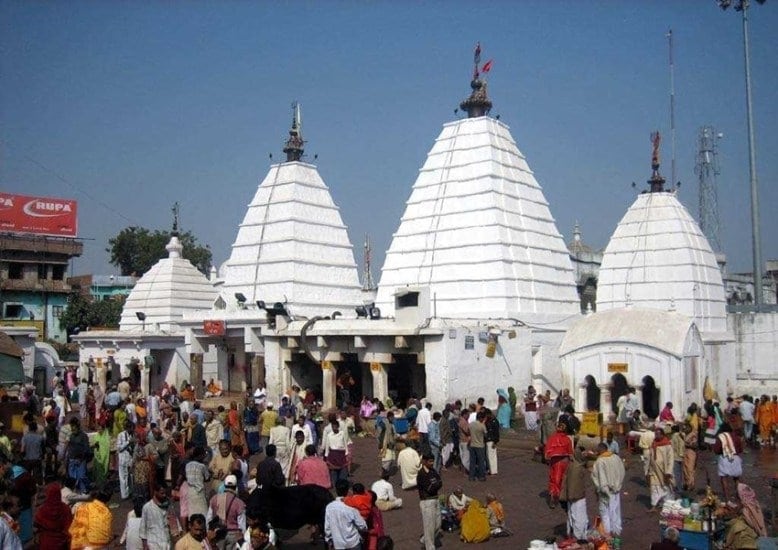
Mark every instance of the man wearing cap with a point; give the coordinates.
(231, 510)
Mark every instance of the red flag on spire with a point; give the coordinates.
(477, 55)
(487, 67)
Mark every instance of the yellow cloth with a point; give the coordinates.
(91, 525)
(474, 526)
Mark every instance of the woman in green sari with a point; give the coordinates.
(102, 447)
(119, 419)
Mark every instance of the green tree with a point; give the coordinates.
(83, 312)
(136, 249)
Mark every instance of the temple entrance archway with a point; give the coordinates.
(304, 373)
(650, 394)
(619, 387)
(592, 394)
(350, 380)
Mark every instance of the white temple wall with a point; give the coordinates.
(276, 370)
(755, 352)
(455, 372)
(666, 370)
(719, 366)
(546, 369)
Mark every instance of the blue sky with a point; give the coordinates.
(136, 105)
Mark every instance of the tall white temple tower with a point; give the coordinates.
(477, 230)
(292, 246)
(658, 258)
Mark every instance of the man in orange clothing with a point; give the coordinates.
(558, 452)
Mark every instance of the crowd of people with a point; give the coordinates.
(185, 465)
(104, 443)
(669, 447)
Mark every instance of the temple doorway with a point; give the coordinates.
(349, 380)
(592, 394)
(304, 373)
(650, 394)
(619, 387)
(406, 378)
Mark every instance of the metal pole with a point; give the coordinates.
(756, 240)
(673, 181)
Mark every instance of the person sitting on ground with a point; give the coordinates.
(496, 515)
(385, 493)
(409, 463)
(669, 540)
(213, 389)
(360, 500)
(92, 523)
(457, 503)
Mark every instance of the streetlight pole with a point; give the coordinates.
(756, 241)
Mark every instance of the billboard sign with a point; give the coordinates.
(214, 328)
(39, 215)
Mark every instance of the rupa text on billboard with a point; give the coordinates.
(39, 215)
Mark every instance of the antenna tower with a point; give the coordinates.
(367, 276)
(707, 169)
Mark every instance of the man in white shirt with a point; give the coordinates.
(154, 525)
(336, 452)
(342, 523)
(260, 396)
(385, 493)
(747, 414)
(301, 426)
(423, 420)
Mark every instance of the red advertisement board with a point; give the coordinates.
(214, 328)
(40, 215)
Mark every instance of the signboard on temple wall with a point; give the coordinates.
(618, 367)
(39, 215)
(214, 328)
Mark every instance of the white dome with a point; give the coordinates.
(478, 231)
(173, 285)
(658, 258)
(293, 247)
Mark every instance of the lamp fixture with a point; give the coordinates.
(142, 318)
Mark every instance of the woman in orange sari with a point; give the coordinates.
(140, 408)
(237, 437)
(764, 419)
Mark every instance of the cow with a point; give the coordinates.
(291, 508)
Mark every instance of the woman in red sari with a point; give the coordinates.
(52, 520)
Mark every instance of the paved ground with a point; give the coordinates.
(521, 485)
